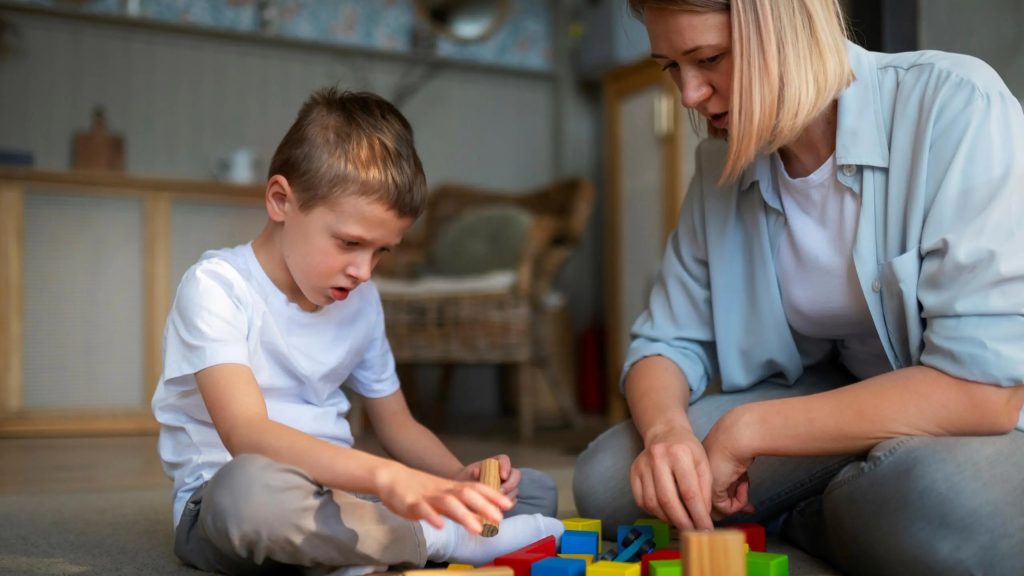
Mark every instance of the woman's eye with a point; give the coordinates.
(669, 66)
(711, 60)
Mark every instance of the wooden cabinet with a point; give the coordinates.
(649, 150)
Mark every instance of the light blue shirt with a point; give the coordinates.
(934, 145)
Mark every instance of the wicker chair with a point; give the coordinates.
(490, 318)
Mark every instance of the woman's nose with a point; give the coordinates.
(694, 91)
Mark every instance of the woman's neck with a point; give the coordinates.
(814, 145)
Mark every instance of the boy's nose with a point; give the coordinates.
(361, 268)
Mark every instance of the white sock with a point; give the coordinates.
(453, 544)
(357, 570)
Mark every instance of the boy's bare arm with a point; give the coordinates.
(408, 441)
(239, 413)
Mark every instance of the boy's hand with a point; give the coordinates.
(417, 495)
(510, 476)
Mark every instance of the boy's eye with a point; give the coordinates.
(348, 243)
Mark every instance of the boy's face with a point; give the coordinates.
(331, 249)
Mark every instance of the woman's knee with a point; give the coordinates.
(945, 504)
(601, 486)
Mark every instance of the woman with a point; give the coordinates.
(849, 265)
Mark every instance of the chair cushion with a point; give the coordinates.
(480, 240)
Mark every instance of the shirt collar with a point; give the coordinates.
(860, 132)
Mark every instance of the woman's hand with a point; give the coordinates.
(417, 495)
(729, 462)
(671, 479)
(510, 477)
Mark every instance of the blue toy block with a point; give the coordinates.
(624, 530)
(580, 542)
(555, 566)
(635, 544)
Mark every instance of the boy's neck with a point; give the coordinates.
(267, 249)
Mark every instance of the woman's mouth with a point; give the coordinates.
(720, 120)
(339, 293)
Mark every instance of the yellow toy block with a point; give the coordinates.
(588, 524)
(609, 568)
(586, 557)
(460, 566)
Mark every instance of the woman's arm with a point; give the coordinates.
(915, 401)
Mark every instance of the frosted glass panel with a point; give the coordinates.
(83, 302)
(200, 226)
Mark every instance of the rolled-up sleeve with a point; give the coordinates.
(677, 322)
(971, 286)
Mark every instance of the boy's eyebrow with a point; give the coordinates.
(363, 239)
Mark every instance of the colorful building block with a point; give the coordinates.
(646, 559)
(607, 568)
(546, 546)
(460, 566)
(580, 542)
(716, 553)
(555, 566)
(634, 544)
(661, 531)
(767, 564)
(625, 529)
(588, 558)
(588, 524)
(666, 567)
(520, 562)
(755, 535)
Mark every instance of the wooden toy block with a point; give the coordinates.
(580, 542)
(520, 562)
(717, 553)
(666, 567)
(646, 559)
(766, 564)
(587, 524)
(635, 543)
(623, 532)
(661, 531)
(588, 558)
(460, 566)
(490, 476)
(608, 568)
(755, 535)
(489, 571)
(555, 566)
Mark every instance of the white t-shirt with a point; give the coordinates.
(821, 294)
(227, 310)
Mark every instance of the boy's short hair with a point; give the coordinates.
(351, 143)
(789, 63)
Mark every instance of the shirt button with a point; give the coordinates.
(876, 285)
(849, 169)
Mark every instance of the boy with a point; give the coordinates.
(257, 343)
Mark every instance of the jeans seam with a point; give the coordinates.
(872, 463)
(782, 495)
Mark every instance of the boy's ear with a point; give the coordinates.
(279, 197)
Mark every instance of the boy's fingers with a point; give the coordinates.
(425, 512)
(454, 508)
(482, 506)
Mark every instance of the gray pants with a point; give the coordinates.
(257, 516)
(912, 505)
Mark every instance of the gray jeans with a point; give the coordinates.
(913, 505)
(257, 516)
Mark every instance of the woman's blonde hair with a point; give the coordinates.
(789, 63)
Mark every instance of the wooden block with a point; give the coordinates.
(490, 476)
(460, 566)
(717, 553)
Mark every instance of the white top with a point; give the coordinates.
(821, 293)
(227, 310)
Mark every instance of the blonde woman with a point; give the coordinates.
(849, 267)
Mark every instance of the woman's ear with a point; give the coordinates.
(279, 197)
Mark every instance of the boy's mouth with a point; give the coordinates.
(339, 293)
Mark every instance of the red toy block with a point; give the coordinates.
(754, 533)
(520, 562)
(545, 546)
(645, 560)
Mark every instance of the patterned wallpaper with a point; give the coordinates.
(523, 41)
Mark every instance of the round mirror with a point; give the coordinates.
(463, 20)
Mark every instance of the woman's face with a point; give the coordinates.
(695, 48)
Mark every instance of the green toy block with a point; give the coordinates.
(609, 568)
(660, 531)
(665, 568)
(767, 564)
